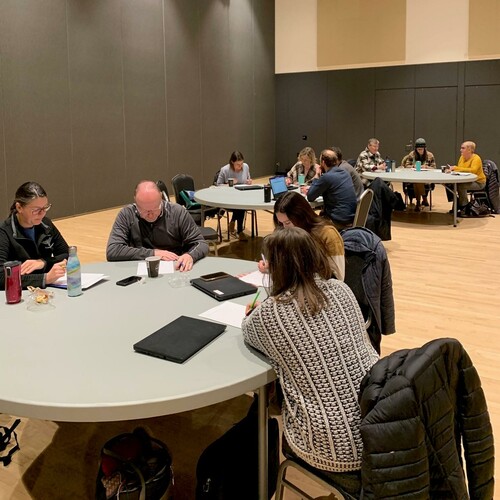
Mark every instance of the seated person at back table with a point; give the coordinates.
(357, 182)
(306, 165)
(427, 160)
(30, 237)
(370, 159)
(152, 226)
(239, 171)
(469, 162)
(292, 210)
(313, 332)
(336, 187)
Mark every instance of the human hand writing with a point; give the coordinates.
(28, 266)
(166, 255)
(184, 263)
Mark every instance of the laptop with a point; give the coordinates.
(279, 187)
(180, 339)
(248, 187)
(224, 288)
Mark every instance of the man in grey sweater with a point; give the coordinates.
(151, 226)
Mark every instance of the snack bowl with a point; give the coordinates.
(40, 299)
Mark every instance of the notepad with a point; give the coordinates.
(88, 280)
(180, 340)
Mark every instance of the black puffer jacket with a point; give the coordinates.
(417, 407)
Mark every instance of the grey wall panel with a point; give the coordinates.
(436, 75)
(97, 98)
(482, 109)
(282, 121)
(35, 97)
(183, 84)
(263, 91)
(395, 77)
(394, 112)
(351, 110)
(217, 118)
(436, 122)
(5, 197)
(482, 72)
(144, 91)
(307, 114)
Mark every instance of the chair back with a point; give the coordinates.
(163, 188)
(363, 208)
(216, 177)
(351, 162)
(182, 182)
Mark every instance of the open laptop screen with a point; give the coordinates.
(278, 186)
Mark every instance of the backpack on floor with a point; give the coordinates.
(228, 468)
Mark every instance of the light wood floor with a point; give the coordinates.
(446, 284)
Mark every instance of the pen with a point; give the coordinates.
(255, 299)
(263, 259)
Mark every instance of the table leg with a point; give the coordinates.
(455, 203)
(202, 222)
(263, 444)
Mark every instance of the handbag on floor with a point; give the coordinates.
(6, 434)
(135, 466)
(228, 468)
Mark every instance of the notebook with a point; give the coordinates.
(248, 187)
(224, 288)
(180, 339)
(279, 187)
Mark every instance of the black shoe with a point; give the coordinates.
(425, 203)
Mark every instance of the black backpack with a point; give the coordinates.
(228, 468)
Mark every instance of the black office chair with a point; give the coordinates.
(184, 182)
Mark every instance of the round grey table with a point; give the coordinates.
(76, 362)
(432, 176)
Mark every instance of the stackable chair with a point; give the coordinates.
(363, 208)
(184, 182)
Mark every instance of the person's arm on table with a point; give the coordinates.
(316, 189)
(190, 236)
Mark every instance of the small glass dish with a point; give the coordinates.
(179, 280)
(40, 300)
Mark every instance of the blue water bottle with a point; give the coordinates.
(387, 164)
(418, 166)
(73, 274)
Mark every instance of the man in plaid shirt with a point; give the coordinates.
(370, 159)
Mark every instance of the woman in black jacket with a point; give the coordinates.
(27, 235)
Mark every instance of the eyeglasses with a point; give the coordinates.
(149, 213)
(39, 210)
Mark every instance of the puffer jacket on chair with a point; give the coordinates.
(418, 408)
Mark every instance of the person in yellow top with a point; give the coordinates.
(469, 162)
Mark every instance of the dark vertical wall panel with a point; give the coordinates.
(307, 114)
(283, 156)
(263, 88)
(183, 88)
(96, 85)
(351, 110)
(482, 109)
(144, 91)
(3, 166)
(35, 97)
(436, 121)
(394, 112)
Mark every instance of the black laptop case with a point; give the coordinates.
(180, 339)
(224, 288)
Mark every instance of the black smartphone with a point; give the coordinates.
(214, 276)
(128, 281)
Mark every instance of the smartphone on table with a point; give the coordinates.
(214, 276)
(128, 281)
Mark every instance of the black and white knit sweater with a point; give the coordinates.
(320, 361)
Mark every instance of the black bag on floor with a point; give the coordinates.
(228, 468)
(6, 434)
(134, 466)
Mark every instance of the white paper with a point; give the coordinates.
(166, 267)
(254, 278)
(88, 279)
(228, 313)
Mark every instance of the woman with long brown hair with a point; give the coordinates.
(293, 210)
(313, 332)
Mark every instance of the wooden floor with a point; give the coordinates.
(446, 284)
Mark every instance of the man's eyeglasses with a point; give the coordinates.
(149, 213)
(39, 210)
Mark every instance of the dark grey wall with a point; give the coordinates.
(96, 95)
(444, 103)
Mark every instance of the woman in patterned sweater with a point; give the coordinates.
(313, 333)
